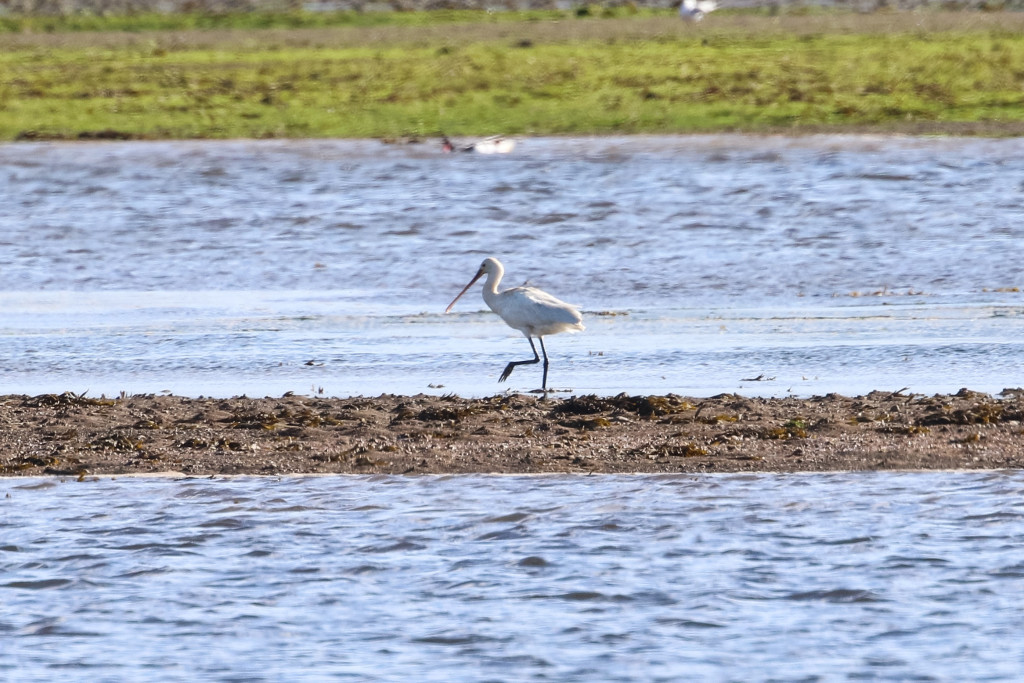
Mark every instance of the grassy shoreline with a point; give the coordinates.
(946, 73)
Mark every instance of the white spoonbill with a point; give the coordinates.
(694, 10)
(531, 311)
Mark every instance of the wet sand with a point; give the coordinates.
(73, 435)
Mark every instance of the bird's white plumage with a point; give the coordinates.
(494, 145)
(532, 311)
(694, 10)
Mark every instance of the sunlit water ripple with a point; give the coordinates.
(818, 264)
(877, 576)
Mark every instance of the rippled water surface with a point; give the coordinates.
(704, 264)
(827, 263)
(874, 576)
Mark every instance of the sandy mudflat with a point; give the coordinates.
(71, 435)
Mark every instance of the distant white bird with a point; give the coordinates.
(694, 10)
(531, 311)
(496, 144)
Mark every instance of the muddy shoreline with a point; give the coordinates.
(71, 435)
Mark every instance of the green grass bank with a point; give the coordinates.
(475, 74)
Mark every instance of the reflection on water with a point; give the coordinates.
(830, 263)
(617, 578)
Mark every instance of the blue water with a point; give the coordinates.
(831, 264)
(818, 264)
(865, 576)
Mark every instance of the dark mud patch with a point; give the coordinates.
(71, 434)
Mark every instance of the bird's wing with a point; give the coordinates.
(542, 297)
(538, 307)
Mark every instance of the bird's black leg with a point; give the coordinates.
(536, 359)
(544, 382)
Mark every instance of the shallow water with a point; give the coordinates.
(827, 263)
(766, 577)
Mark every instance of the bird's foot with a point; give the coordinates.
(508, 371)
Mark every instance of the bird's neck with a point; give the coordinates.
(491, 286)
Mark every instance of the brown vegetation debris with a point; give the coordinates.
(73, 434)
